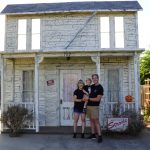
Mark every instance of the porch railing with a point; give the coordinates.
(31, 108)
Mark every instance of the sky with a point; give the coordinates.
(143, 18)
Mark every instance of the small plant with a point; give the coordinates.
(136, 123)
(15, 118)
(116, 110)
(147, 114)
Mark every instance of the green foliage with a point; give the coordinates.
(145, 66)
(147, 113)
(136, 123)
(15, 117)
(116, 110)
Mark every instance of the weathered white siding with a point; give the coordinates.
(58, 30)
(49, 96)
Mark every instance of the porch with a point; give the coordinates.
(46, 100)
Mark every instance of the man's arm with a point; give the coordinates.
(96, 99)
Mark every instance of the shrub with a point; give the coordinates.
(136, 123)
(15, 118)
(147, 114)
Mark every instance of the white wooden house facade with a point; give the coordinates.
(49, 47)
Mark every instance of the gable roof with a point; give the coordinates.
(72, 7)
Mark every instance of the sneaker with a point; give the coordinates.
(92, 136)
(74, 135)
(82, 135)
(99, 140)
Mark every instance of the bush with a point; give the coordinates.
(136, 123)
(15, 118)
(147, 114)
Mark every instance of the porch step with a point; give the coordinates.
(61, 130)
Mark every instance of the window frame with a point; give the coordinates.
(106, 33)
(22, 35)
(121, 33)
(35, 34)
(33, 90)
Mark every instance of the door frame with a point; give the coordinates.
(60, 91)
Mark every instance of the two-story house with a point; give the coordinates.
(49, 47)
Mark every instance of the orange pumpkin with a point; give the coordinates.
(128, 98)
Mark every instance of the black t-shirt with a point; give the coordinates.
(95, 90)
(79, 93)
(87, 88)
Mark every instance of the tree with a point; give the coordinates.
(145, 66)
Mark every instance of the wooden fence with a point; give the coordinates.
(145, 94)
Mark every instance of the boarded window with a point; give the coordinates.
(119, 32)
(104, 32)
(35, 33)
(28, 86)
(113, 85)
(22, 29)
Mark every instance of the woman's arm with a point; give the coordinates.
(85, 92)
(75, 99)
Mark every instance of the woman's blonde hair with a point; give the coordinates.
(80, 82)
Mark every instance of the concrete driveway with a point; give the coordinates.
(66, 142)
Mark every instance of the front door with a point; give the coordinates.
(68, 83)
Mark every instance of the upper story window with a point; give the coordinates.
(119, 32)
(22, 33)
(35, 44)
(104, 32)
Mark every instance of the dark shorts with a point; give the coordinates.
(78, 110)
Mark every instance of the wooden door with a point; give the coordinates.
(68, 83)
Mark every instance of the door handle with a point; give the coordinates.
(61, 101)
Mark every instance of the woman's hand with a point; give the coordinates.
(85, 98)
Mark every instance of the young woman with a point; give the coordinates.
(78, 108)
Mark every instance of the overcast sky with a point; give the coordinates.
(144, 19)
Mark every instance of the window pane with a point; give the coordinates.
(21, 42)
(105, 43)
(28, 86)
(22, 25)
(36, 41)
(104, 24)
(119, 40)
(119, 27)
(35, 25)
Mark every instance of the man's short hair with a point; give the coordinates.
(95, 75)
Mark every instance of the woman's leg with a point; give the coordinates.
(83, 122)
(76, 118)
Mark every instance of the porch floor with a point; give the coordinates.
(60, 130)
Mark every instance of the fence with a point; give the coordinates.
(145, 94)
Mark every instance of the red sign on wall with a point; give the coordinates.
(50, 82)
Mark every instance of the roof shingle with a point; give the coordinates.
(72, 7)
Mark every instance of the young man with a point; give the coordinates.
(93, 107)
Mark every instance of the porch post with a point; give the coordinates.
(96, 59)
(137, 82)
(2, 87)
(38, 60)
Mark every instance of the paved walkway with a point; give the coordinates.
(66, 142)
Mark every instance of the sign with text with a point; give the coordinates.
(50, 82)
(117, 124)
